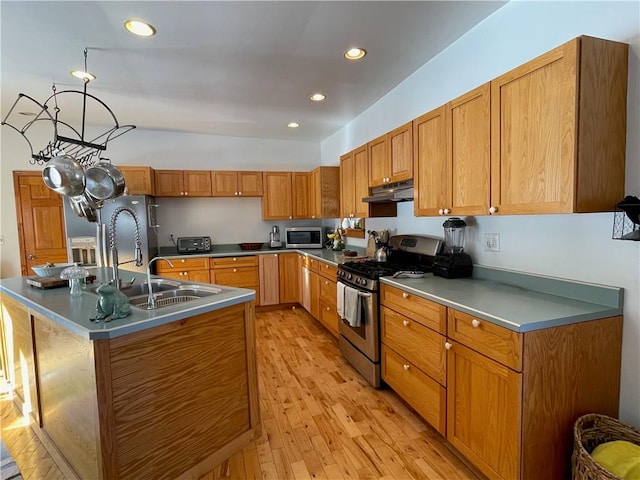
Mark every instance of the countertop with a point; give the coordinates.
(518, 301)
(233, 249)
(74, 312)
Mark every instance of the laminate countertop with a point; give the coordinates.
(74, 312)
(518, 301)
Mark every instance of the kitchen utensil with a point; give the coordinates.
(64, 175)
(453, 262)
(408, 274)
(51, 269)
(104, 181)
(274, 237)
(371, 247)
(381, 254)
(81, 207)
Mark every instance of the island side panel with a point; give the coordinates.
(568, 371)
(17, 340)
(68, 404)
(179, 393)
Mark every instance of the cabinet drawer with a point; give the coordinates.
(183, 264)
(329, 316)
(496, 342)
(428, 313)
(234, 262)
(310, 263)
(328, 292)
(423, 347)
(243, 277)
(328, 271)
(424, 394)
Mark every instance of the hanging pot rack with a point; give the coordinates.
(74, 143)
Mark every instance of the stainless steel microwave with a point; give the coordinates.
(303, 237)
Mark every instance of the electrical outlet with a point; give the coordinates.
(492, 242)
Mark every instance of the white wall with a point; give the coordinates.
(225, 220)
(568, 246)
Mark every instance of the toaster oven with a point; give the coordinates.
(194, 244)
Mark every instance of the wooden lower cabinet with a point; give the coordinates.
(269, 272)
(328, 310)
(185, 269)
(289, 273)
(506, 400)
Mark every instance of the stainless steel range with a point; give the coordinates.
(409, 255)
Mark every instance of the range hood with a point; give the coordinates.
(392, 192)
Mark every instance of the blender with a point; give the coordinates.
(453, 262)
(274, 237)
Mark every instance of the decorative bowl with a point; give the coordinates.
(251, 246)
(50, 269)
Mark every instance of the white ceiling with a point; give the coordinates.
(230, 68)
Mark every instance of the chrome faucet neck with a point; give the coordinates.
(151, 300)
(114, 249)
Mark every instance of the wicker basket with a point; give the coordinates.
(590, 431)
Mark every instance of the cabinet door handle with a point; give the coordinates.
(493, 210)
(235, 270)
(447, 211)
(406, 366)
(475, 322)
(275, 254)
(448, 345)
(405, 323)
(328, 308)
(326, 282)
(235, 259)
(441, 211)
(405, 295)
(240, 193)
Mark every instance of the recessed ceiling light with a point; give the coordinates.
(355, 53)
(317, 97)
(84, 76)
(293, 125)
(142, 29)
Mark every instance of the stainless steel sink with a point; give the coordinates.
(158, 285)
(175, 295)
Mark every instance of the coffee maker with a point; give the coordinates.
(453, 262)
(274, 237)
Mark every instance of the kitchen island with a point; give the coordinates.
(168, 393)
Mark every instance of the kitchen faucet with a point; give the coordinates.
(151, 300)
(114, 250)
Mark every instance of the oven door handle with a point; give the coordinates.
(364, 294)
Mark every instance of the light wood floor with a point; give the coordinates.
(320, 419)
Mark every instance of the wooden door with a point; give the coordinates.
(169, 183)
(379, 161)
(483, 412)
(401, 153)
(269, 271)
(301, 207)
(289, 273)
(224, 184)
(139, 180)
(360, 175)
(41, 231)
(347, 185)
(276, 201)
(533, 135)
(250, 184)
(197, 183)
(469, 140)
(432, 175)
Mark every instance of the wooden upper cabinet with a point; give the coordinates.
(139, 180)
(354, 168)
(324, 192)
(558, 130)
(236, 184)
(452, 157)
(432, 172)
(391, 156)
(276, 200)
(379, 161)
(181, 183)
(300, 205)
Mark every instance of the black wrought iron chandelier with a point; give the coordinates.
(67, 139)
